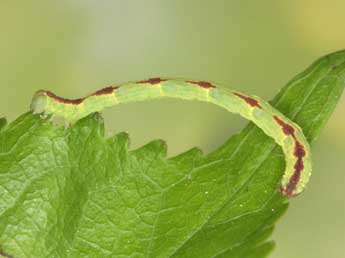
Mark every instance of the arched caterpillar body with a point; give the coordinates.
(286, 133)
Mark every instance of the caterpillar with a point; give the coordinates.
(286, 133)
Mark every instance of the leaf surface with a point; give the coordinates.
(74, 193)
(2, 122)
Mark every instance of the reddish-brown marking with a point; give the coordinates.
(299, 150)
(63, 100)
(287, 129)
(299, 153)
(105, 91)
(249, 100)
(153, 81)
(203, 84)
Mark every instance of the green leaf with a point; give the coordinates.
(73, 193)
(3, 122)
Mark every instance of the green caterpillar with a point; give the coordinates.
(286, 133)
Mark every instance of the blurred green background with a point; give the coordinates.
(76, 47)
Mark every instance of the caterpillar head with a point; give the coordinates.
(39, 102)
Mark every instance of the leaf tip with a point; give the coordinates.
(121, 138)
(191, 154)
(157, 146)
(160, 146)
(94, 121)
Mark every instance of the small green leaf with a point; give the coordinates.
(73, 193)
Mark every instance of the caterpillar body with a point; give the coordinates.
(285, 132)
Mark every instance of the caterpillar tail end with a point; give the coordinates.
(288, 192)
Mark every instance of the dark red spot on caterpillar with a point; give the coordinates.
(63, 100)
(299, 153)
(203, 84)
(153, 81)
(105, 91)
(299, 150)
(299, 166)
(249, 100)
(287, 129)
